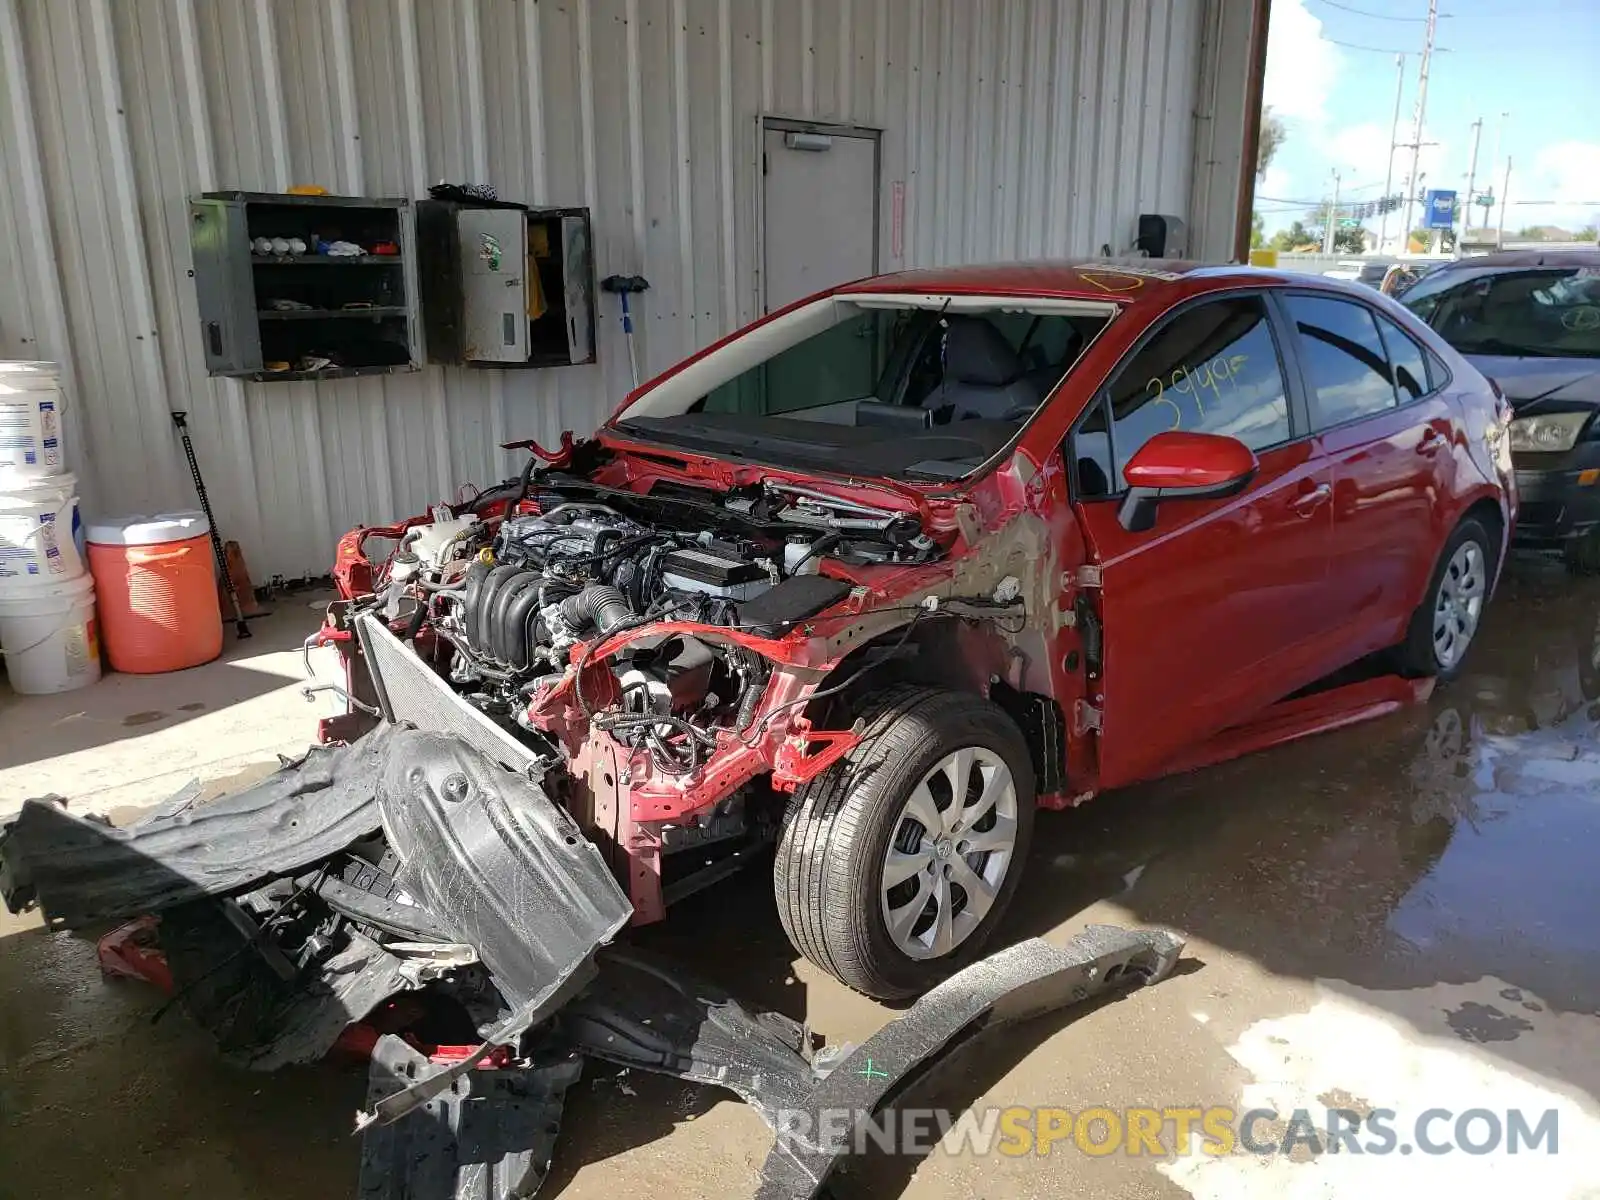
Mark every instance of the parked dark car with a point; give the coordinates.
(1530, 321)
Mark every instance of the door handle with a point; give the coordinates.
(1314, 499)
(1431, 441)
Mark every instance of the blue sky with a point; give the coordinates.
(1538, 60)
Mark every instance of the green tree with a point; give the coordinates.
(1258, 231)
(1296, 237)
(1350, 239)
(1270, 142)
(1587, 234)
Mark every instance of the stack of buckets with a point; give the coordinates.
(47, 620)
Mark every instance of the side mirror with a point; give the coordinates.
(1183, 466)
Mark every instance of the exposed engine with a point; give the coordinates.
(513, 597)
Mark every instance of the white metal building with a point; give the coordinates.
(1008, 128)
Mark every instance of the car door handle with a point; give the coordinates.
(1314, 499)
(1431, 441)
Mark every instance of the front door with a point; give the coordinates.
(1212, 614)
(819, 208)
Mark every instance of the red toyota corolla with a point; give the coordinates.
(879, 575)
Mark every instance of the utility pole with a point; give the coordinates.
(1472, 169)
(1394, 136)
(1499, 141)
(1333, 216)
(1500, 235)
(1422, 112)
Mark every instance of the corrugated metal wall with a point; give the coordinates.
(1017, 127)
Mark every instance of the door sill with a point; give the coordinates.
(1319, 712)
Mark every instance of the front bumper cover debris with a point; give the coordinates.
(327, 904)
(489, 1137)
(1021, 981)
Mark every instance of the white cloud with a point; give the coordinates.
(1567, 173)
(1301, 67)
(1361, 154)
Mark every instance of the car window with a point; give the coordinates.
(1407, 358)
(1212, 369)
(841, 363)
(1344, 359)
(1540, 312)
(1092, 465)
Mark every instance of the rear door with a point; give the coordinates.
(1389, 436)
(1210, 615)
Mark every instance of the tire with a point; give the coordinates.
(838, 831)
(1421, 654)
(1582, 554)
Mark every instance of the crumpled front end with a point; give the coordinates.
(653, 649)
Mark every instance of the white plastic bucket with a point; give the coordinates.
(49, 638)
(30, 422)
(39, 535)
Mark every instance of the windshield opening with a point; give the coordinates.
(1549, 312)
(914, 389)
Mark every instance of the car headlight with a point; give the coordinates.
(1553, 432)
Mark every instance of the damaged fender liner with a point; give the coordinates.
(81, 871)
(509, 874)
(484, 857)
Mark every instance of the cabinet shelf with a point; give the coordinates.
(326, 260)
(325, 374)
(238, 291)
(326, 314)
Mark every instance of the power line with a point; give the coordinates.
(1378, 49)
(1361, 12)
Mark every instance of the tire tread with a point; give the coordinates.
(818, 866)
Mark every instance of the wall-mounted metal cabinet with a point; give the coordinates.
(297, 287)
(504, 285)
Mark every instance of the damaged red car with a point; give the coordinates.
(875, 578)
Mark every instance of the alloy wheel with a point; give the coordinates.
(1459, 604)
(949, 853)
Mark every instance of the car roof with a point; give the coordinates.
(1118, 279)
(1528, 258)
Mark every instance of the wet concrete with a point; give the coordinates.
(1399, 914)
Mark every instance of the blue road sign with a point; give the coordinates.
(1440, 210)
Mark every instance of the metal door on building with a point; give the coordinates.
(819, 207)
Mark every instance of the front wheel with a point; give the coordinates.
(895, 865)
(1446, 622)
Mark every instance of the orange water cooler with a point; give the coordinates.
(157, 591)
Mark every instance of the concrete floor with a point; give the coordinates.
(130, 741)
(1397, 915)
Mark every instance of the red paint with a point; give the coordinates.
(556, 458)
(131, 951)
(1189, 460)
(1209, 618)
